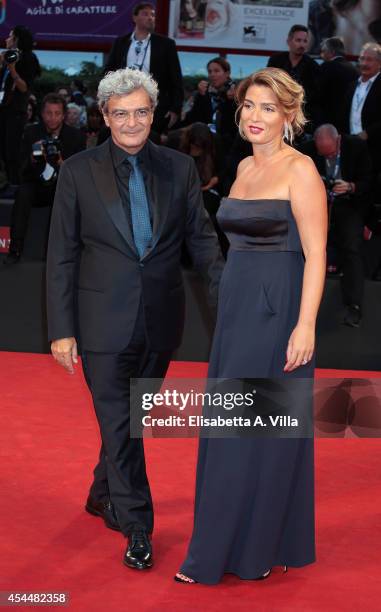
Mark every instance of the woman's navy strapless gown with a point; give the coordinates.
(254, 505)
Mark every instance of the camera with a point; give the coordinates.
(329, 183)
(51, 148)
(11, 56)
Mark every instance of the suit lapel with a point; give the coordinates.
(162, 181)
(104, 177)
(125, 49)
(154, 54)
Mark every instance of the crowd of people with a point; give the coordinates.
(279, 160)
(342, 133)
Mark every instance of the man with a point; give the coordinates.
(336, 75)
(144, 50)
(361, 114)
(44, 147)
(121, 214)
(303, 69)
(345, 166)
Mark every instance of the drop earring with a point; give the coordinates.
(286, 132)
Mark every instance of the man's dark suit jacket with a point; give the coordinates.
(355, 165)
(335, 77)
(72, 141)
(164, 67)
(370, 117)
(95, 278)
(307, 73)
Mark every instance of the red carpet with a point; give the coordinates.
(49, 443)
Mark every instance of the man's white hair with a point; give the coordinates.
(374, 48)
(328, 128)
(123, 82)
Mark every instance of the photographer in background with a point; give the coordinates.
(214, 102)
(19, 67)
(44, 147)
(345, 166)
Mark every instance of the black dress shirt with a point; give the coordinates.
(307, 74)
(123, 169)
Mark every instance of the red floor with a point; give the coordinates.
(48, 444)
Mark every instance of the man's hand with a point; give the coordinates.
(363, 135)
(173, 117)
(65, 353)
(341, 187)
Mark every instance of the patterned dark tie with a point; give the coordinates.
(140, 218)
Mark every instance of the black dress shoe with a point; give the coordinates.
(139, 551)
(105, 510)
(352, 316)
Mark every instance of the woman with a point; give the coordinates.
(201, 144)
(94, 124)
(16, 79)
(31, 112)
(254, 497)
(214, 102)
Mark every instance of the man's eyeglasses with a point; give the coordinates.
(139, 114)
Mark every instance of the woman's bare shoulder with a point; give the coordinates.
(244, 163)
(300, 163)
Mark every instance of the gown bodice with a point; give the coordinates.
(259, 225)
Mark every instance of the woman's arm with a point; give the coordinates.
(309, 206)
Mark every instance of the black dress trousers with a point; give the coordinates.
(121, 471)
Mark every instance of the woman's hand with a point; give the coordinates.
(300, 347)
(202, 87)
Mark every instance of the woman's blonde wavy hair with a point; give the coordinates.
(289, 93)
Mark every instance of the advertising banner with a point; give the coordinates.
(264, 24)
(235, 24)
(68, 20)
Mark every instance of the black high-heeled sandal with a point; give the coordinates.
(264, 576)
(183, 579)
(267, 574)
